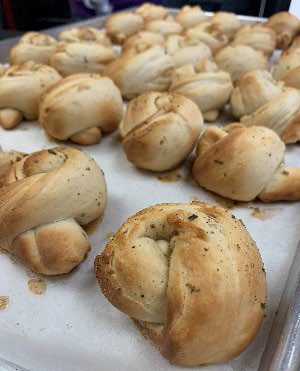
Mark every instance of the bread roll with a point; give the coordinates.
(80, 107)
(238, 59)
(190, 16)
(34, 46)
(79, 57)
(164, 27)
(150, 12)
(212, 35)
(186, 51)
(286, 26)
(141, 69)
(287, 68)
(228, 21)
(281, 114)
(159, 130)
(119, 26)
(256, 36)
(20, 89)
(210, 90)
(244, 163)
(6, 160)
(256, 87)
(85, 34)
(47, 196)
(193, 274)
(143, 37)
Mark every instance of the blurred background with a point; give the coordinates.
(17, 16)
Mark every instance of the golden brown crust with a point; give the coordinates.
(286, 26)
(34, 46)
(187, 269)
(287, 68)
(255, 88)
(190, 16)
(140, 69)
(120, 26)
(95, 101)
(281, 114)
(256, 36)
(6, 160)
(46, 196)
(244, 163)
(238, 59)
(285, 185)
(55, 248)
(20, 89)
(160, 130)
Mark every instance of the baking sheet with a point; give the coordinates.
(71, 326)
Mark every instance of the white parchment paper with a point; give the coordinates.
(72, 326)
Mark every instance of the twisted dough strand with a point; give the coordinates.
(46, 197)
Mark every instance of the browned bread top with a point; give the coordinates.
(193, 273)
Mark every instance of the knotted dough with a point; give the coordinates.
(45, 199)
(159, 130)
(244, 163)
(193, 274)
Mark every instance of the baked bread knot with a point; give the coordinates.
(244, 163)
(193, 274)
(190, 16)
(140, 69)
(256, 36)
(34, 46)
(165, 27)
(143, 37)
(186, 50)
(20, 89)
(47, 196)
(228, 21)
(238, 59)
(77, 57)
(150, 12)
(281, 114)
(122, 25)
(287, 68)
(286, 26)
(208, 88)
(255, 88)
(212, 35)
(85, 34)
(80, 107)
(160, 130)
(6, 160)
